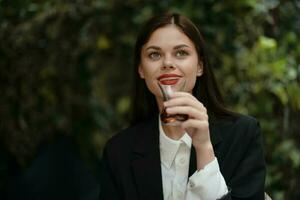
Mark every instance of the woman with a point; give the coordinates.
(214, 154)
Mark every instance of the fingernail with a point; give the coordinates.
(166, 109)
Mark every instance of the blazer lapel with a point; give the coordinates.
(215, 137)
(146, 161)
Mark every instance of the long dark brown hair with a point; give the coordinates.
(206, 89)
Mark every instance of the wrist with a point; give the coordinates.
(205, 147)
(205, 155)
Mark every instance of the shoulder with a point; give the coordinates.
(119, 149)
(240, 127)
(123, 141)
(124, 137)
(239, 135)
(245, 122)
(239, 121)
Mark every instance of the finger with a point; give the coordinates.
(182, 94)
(188, 110)
(197, 124)
(179, 101)
(185, 101)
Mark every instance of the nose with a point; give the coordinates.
(167, 64)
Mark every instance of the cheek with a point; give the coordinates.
(150, 78)
(191, 83)
(151, 85)
(191, 74)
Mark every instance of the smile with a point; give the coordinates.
(169, 79)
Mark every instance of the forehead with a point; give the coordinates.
(168, 35)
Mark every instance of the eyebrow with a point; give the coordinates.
(176, 47)
(181, 46)
(153, 47)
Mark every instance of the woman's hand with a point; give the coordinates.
(196, 126)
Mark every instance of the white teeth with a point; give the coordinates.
(167, 79)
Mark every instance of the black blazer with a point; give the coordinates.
(132, 170)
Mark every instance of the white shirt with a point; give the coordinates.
(205, 184)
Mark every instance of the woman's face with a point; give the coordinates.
(169, 56)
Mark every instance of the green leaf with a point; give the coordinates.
(103, 42)
(267, 43)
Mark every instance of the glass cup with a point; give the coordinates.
(167, 88)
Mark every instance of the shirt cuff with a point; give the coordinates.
(207, 183)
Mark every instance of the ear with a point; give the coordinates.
(200, 68)
(141, 72)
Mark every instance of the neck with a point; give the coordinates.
(173, 132)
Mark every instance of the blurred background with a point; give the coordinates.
(66, 68)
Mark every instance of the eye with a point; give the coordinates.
(154, 55)
(181, 53)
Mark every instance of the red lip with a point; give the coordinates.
(168, 76)
(169, 79)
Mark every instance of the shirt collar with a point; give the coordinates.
(169, 147)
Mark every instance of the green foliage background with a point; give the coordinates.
(65, 67)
